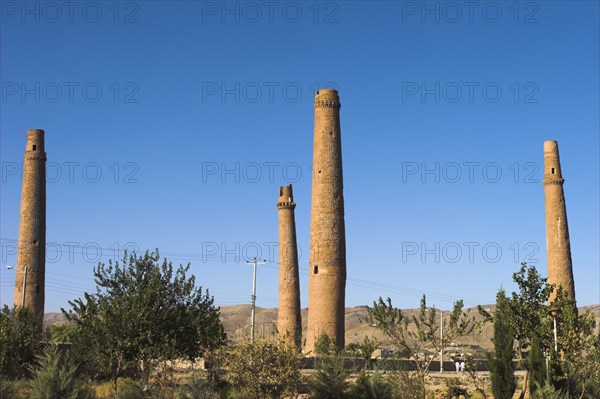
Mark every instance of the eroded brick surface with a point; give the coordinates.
(32, 229)
(560, 267)
(327, 264)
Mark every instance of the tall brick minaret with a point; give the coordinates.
(31, 255)
(560, 267)
(327, 268)
(289, 322)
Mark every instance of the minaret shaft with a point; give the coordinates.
(289, 322)
(31, 255)
(560, 267)
(327, 267)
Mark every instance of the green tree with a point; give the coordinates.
(330, 379)
(19, 340)
(364, 350)
(577, 372)
(414, 336)
(586, 371)
(502, 368)
(536, 365)
(80, 352)
(478, 380)
(574, 365)
(263, 369)
(529, 313)
(144, 312)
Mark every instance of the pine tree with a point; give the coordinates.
(537, 367)
(502, 368)
(330, 380)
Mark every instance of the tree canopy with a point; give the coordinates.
(144, 311)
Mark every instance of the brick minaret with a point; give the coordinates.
(289, 322)
(31, 255)
(327, 267)
(560, 268)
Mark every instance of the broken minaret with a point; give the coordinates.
(327, 267)
(31, 255)
(289, 322)
(560, 267)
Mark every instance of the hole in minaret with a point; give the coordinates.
(37, 288)
(552, 170)
(34, 242)
(315, 269)
(34, 147)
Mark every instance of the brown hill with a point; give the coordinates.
(236, 320)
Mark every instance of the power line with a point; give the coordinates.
(360, 283)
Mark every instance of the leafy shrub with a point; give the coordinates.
(408, 385)
(263, 369)
(129, 389)
(6, 389)
(55, 377)
(373, 386)
(546, 391)
(19, 339)
(80, 351)
(198, 388)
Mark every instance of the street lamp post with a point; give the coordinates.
(547, 356)
(554, 313)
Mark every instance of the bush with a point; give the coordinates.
(55, 377)
(373, 386)
(263, 369)
(546, 391)
(409, 385)
(6, 389)
(14, 389)
(80, 351)
(361, 389)
(129, 389)
(19, 339)
(455, 388)
(198, 388)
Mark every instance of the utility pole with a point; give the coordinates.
(256, 263)
(441, 341)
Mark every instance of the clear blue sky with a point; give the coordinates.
(195, 114)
